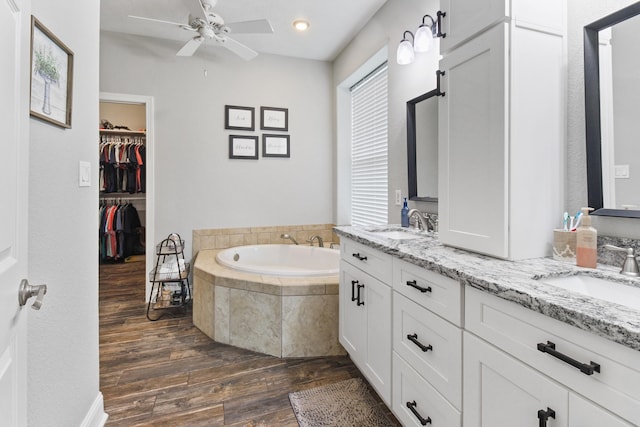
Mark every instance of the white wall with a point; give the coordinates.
(197, 185)
(385, 29)
(63, 353)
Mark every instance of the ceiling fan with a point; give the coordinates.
(210, 26)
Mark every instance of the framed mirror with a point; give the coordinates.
(612, 91)
(422, 146)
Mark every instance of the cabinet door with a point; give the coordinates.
(352, 316)
(500, 391)
(464, 19)
(377, 366)
(583, 413)
(473, 146)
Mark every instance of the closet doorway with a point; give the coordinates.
(126, 196)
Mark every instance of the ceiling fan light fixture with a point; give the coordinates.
(301, 25)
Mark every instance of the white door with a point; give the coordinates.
(352, 316)
(13, 210)
(377, 365)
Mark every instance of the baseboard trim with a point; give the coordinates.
(96, 417)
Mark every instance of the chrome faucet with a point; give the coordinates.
(316, 237)
(423, 222)
(286, 236)
(630, 266)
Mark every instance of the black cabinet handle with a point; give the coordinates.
(358, 296)
(543, 416)
(550, 348)
(414, 339)
(360, 257)
(412, 407)
(439, 16)
(414, 284)
(353, 289)
(438, 75)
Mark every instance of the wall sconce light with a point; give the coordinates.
(404, 54)
(423, 39)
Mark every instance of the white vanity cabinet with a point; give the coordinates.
(509, 381)
(502, 126)
(427, 347)
(365, 312)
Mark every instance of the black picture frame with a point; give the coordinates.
(276, 145)
(243, 147)
(51, 77)
(239, 118)
(274, 118)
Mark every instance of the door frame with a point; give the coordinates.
(147, 101)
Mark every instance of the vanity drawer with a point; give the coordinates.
(410, 390)
(372, 261)
(438, 293)
(430, 345)
(518, 331)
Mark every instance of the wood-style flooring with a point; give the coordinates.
(168, 373)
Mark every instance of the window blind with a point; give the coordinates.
(369, 149)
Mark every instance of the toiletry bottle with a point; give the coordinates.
(586, 242)
(404, 218)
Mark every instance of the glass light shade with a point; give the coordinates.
(405, 54)
(424, 39)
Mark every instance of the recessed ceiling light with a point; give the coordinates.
(301, 25)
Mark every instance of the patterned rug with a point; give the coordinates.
(347, 403)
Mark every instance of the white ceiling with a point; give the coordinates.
(333, 22)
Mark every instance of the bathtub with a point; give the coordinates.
(280, 300)
(282, 260)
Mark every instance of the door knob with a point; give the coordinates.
(27, 291)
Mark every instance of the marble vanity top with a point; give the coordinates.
(517, 281)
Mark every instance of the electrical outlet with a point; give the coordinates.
(398, 197)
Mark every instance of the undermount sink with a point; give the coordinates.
(397, 234)
(595, 287)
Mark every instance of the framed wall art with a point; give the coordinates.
(275, 146)
(243, 147)
(51, 77)
(272, 118)
(239, 118)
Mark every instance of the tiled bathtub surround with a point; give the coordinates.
(222, 238)
(518, 281)
(281, 316)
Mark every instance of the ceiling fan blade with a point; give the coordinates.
(239, 49)
(191, 46)
(262, 26)
(161, 21)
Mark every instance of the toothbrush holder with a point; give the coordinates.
(564, 245)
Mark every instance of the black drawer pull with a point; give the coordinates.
(360, 257)
(412, 407)
(587, 369)
(358, 296)
(414, 284)
(353, 289)
(543, 416)
(414, 339)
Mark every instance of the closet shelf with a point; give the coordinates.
(122, 132)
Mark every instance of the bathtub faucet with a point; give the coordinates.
(286, 236)
(316, 237)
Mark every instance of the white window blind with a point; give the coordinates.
(369, 149)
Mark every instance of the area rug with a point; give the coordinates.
(346, 403)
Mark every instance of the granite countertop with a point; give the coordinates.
(515, 281)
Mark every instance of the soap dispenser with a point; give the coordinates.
(404, 214)
(586, 242)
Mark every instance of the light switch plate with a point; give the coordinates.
(621, 171)
(398, 197)
(84, 174)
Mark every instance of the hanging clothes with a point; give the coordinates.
(122, 164)
(119, 232)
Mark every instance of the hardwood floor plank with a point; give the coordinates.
(168, 373)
